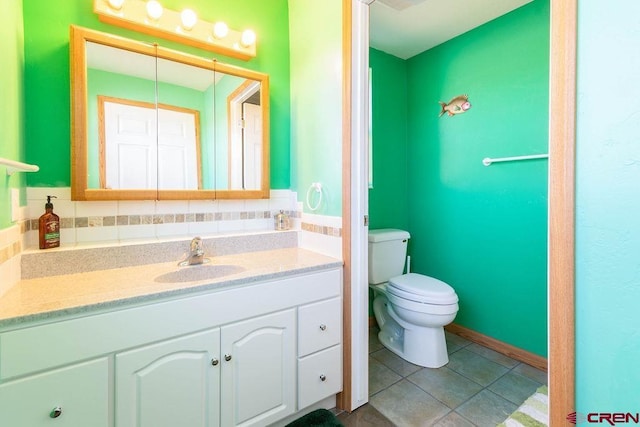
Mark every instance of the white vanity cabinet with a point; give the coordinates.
(247, 355)
(171, 383)
(240, 374)
(73, 396)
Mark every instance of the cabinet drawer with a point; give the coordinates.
(80, 391)
(319, 376)
(319, 326)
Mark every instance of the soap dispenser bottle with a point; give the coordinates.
(49, 227)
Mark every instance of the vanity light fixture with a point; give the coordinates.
(248, 38)
(154, 9)
(116, 4)
(188, 19)
(185, 27)
(220, 30)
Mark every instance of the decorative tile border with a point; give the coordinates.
(321, 229)
(177, 218)
(10, 250)
(124, 220)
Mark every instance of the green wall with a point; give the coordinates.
(480, 229)
(316, 102)
(607, 206)
(11, 99)
(46, 30)
(388, 198)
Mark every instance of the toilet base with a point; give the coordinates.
(422, 346)
(425, 347)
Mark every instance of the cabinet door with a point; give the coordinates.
(171, 383)
(75, 396)
(258, 370)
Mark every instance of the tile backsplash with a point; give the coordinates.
(116, 221)
(127, 222)
(10, 249)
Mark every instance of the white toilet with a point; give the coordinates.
(411, 309)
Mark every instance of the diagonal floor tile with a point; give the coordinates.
(453, 419)
(532, 373)
(364, 416)
(492, 355)
(475, 367)
(514, 387)
(446, 385)
(380, 377)
(374, 343)
(455, 342)
(395, 362)
(486, 409)
(406, 405)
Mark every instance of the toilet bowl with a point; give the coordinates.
(411, 309)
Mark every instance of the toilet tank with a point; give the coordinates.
(387, 254)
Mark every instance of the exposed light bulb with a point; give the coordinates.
(220, 30)
(189, 19)
(248, 38)
(154, 9)
(116, 4)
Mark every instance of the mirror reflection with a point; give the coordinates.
(161, 124)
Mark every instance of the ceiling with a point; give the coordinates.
(405, 28)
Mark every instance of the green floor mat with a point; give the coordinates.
(317, 418)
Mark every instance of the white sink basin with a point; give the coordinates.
(195, 273)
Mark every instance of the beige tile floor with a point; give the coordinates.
(478, 387)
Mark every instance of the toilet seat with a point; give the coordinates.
(422, 289)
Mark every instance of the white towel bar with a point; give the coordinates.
(488, 160)
(13, 166)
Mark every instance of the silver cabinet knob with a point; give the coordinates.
(55, 412)
(227, 357)
(323, 327)
(323, 377)
(214, 361)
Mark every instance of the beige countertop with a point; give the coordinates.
(46, 298)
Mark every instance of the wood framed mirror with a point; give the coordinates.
(150, 123)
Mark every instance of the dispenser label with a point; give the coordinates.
(52, 234)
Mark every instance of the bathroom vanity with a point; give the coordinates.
(120, 348)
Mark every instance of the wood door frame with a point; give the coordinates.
(561, 210)
(561, 243)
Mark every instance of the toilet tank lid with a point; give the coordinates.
(385, 234)
(431, 288)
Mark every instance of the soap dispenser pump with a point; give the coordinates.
(49, 224)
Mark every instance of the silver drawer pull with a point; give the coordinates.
(214, 362)
(323, 327)
(55, 412)
(227, 357)
(323, 377)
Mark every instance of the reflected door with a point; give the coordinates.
(178, 150)
(252, 145)
(128, 146)
(145, 148)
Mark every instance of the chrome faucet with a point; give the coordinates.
(196, 253)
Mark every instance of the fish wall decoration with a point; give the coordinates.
(457, 105)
